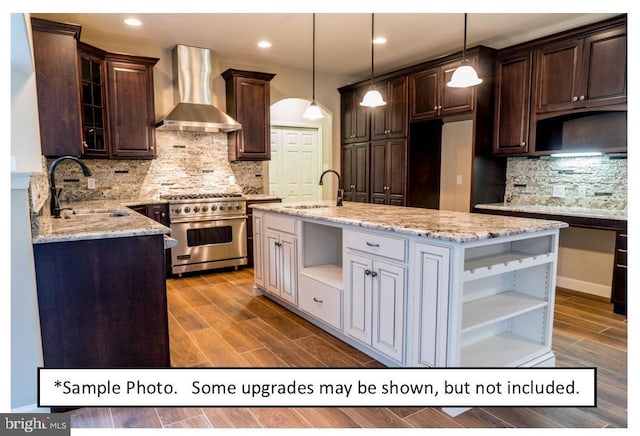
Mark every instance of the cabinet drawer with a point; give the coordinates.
(387, 246)
(320, 300)
(280, 222)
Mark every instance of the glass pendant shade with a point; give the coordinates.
(465, 75)
(372, 98)
(313, 112)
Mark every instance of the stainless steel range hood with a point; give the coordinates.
(195, 111)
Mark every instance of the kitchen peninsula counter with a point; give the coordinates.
(96, 220)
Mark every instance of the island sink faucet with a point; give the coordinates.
(55, 193)
(340, 190)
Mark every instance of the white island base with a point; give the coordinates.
(414, 287)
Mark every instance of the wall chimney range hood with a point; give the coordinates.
(195, 111)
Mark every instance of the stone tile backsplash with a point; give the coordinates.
(597, 182)
(185, 162)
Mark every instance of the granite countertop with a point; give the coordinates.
(437, 224)
(97, 220)
(609, 214)
(261, 197)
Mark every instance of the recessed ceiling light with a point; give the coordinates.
(264, 44)
(380, 40)
(132, 22)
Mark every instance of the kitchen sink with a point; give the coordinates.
(70, 213)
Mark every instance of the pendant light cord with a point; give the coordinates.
(372, 33)
(464, 45)
(313, 68)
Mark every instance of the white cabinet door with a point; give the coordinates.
(358, 297)
(288, 268)
(388, 309)
(258, 255)
(431, 291)
(281, 265)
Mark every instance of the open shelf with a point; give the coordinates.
(484, 311)
(502, 262)
(329, 274)
(502, 350)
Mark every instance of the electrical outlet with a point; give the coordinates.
(582, 191)
(232, 180)
(558, 191)
(91, 183)
(458, 180)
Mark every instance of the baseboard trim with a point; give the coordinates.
(583, 286)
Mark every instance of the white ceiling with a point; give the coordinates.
(342, 39)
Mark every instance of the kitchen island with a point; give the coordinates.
(414, 287)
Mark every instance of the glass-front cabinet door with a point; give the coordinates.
(92, 95)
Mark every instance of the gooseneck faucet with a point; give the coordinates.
(55, 193)
(340, 190)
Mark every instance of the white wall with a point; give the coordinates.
(26, 351)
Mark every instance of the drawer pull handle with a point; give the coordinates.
(371, 244)
(317, 301)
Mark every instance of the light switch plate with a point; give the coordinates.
(458, 180)
(91, 183)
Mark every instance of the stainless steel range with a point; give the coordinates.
(211, 230)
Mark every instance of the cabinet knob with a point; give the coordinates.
(523, 143)
(435, 108)
(575, 98)
(582, 97)
(163, 214)
(373, 273)
(439, 107)
(367, 272)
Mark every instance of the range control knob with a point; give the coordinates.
(238, 207)
(196, 209)
(205, 208)
(221, 207)
(187, 209)
(214, 207)
(177, 210)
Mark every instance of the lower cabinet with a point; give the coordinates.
(619, 284)
(374, 304)
(281, 265)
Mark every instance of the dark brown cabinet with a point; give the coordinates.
(582, 72)
(249, 103)
(513, 104)
(390, 121)
(118, 113)
(355, 118)
(103, 303)
(56, 69)
(388, 171)
(355, 171)
(619, 283)
(158, 212)
(130, 106)
(432, 98)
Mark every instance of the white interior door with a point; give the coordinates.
(294, 168)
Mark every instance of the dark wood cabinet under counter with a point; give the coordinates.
(619, 282)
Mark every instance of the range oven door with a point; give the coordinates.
(209, 244)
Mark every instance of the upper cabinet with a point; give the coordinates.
(513, 103)
(91, 103)
(432, 98)
(118, 115)
(588, 71)
(56, 68)
(390, 121)
(249, 103)
(355, 118)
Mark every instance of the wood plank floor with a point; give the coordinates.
(214, 320)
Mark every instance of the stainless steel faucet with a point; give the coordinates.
(340, 190)
(55, 193)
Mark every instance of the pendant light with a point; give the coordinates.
(313, 112)
(372, 98)
(465, 75)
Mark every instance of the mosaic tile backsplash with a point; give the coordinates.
(185, 162)
(598, 182)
